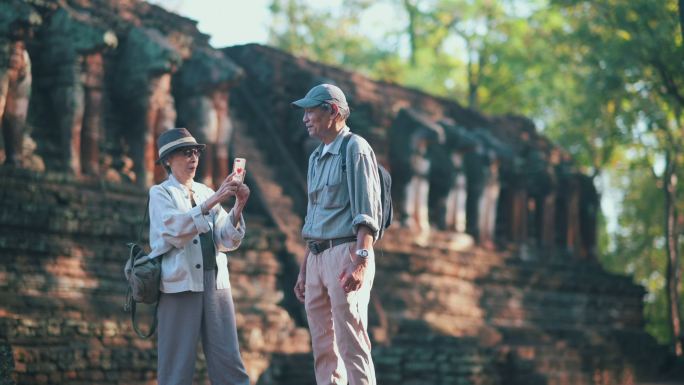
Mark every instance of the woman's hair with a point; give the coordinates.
(165, 165)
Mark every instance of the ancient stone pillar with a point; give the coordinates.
(456, 200)
(477, 173)
(567, 204)
(418, 188)
(143, 95)
(73, 65)
(16, 24)
(589, 206)
(487, 206)
(202, 85)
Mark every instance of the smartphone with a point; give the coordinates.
(239, 169)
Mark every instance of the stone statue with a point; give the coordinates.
(540, 185)
(567, 206)
(202, 98)
(548, 204)
(418, 188)
(16, 22)
(520, 198)
(143, 93)
(458, 142)
(412, 136)
(73, 63)
(589, 207)
(477, 173)
(487, 205)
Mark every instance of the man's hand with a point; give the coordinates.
(351, 277)
(300, 287)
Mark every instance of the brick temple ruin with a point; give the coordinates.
(488, 276)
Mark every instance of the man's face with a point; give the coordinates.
(318, 121)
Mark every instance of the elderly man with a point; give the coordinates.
(342, 222)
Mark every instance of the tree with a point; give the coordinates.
(634, 50)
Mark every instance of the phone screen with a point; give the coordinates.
(239, 169)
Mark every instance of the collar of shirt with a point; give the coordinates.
(334, 146)
(176, 183)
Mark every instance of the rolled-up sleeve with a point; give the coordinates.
(170, 227)
(364, 190)
(227, 236)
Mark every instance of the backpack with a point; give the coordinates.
(143, 275)
(385, 188)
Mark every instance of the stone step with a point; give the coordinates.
(279, 206)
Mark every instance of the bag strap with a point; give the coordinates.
(153, 327)
(146, 216)
(343, 151)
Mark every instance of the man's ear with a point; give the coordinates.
(335, 110)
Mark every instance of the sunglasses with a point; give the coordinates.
(189, 152)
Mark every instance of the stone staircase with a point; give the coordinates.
(550, 321)
(277, 179)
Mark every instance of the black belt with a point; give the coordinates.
(318, 247)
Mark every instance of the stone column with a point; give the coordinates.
(73, 66)
(15, 92)
(143, 94)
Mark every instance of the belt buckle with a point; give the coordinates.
(313, 247)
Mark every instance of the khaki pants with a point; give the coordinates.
(338, 321)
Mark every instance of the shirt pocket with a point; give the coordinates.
(335, 196)
(315, 195)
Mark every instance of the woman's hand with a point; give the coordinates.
(242, 194)
(228, 188)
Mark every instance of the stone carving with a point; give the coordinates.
(202, 98)
(484, 186)
(476, 166)
(143, 91)
(567, 206)
(458, 142)
(540, 184)
(413, 136)
(588, 215)
(418, 188)
(73, 63)
(517, 187)
(547, 204)
(17, 20)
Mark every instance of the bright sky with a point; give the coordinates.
(229, 22)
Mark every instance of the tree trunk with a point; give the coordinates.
(412, 11)
(681, 17)
(473, 83)
(671, 238)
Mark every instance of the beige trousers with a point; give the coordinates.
(338, 321)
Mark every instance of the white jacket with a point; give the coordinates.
(174, 235)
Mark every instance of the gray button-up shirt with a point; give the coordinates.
(330, 212)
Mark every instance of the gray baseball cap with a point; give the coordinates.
(322, 93)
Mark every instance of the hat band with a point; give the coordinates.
(175, 143)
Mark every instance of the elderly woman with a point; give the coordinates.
(191, 232)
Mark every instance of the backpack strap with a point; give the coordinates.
(153, 327)
(343, 151)
(146, 216)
